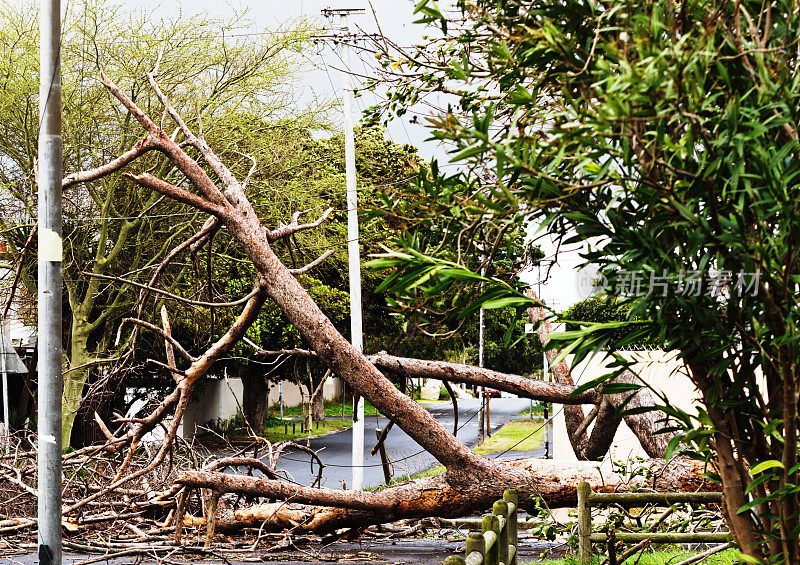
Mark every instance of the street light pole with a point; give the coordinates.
(49, 286)
(353, 246)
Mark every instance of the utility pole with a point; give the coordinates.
(353, 247)
(484, 412)
(49, 283)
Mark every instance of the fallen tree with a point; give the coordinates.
(605, 415)
(470, 482)
(537, 481)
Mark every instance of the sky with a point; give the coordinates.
(565, 285)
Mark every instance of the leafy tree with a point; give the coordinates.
(111, 227)
(603, 310)
(664, 136)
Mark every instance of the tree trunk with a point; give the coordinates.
(75, 378)
(318, 407)
(102, 400)
(646, 425)
(454, 494)
(254, 395)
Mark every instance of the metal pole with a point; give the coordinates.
(49, 286)
(353, 258)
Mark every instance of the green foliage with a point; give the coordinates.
(211, 75)
(663, 137)
(602, 309)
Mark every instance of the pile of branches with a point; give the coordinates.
(150, 513)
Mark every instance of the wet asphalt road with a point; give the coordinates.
(405, 455)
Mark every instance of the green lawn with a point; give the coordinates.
(662, 557)
(333, 409)
(517, 435)
(274, 430)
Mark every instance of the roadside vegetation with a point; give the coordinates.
(673, 555)
(517, 435)
(291, 426)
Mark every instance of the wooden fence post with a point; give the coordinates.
(584, 524)
(455, 560)
(500, 508)
(490, 525)
(475, 542)
(510, 496)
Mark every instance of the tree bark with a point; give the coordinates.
(450, 495)
(254, 395)
(467, 374)
(318, 407)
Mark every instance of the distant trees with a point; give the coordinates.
(113, 228)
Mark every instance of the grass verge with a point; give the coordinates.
(659, 557)
(280, 430)
(517, 435)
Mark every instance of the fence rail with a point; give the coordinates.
(585, 536)
(497, 545)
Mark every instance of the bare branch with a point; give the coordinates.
(18, 271)
(455, 372)
(314, 263)
(141, 147)
(168, 347)
(162, 292)
(163, 334)
(154, 183)
(294, 226)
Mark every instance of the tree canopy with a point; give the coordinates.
(662, 136)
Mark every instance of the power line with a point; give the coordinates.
(389, 462)
(266, 204)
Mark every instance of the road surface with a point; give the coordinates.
(405, 455)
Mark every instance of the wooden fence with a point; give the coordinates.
(585, 536)
(498, 543)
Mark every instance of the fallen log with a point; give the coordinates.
(466, 374)
(450, 495)
(646, 425)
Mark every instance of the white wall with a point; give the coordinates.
(660, 370)
(221, 399)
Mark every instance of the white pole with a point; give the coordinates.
(280, 396)
(49, 286)
(482, 390)
(353, 258)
